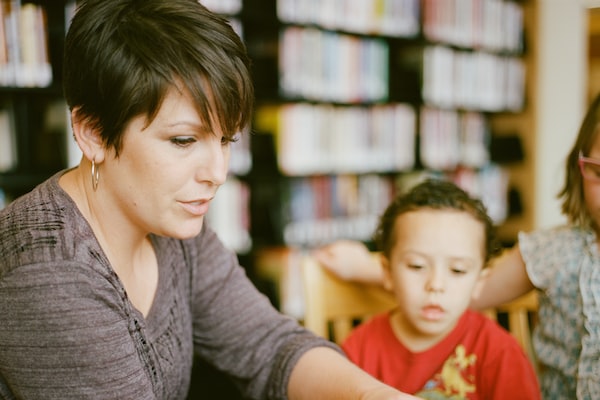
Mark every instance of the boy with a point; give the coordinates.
(435, 241)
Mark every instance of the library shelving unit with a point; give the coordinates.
(229, 214)
(35, 138)
(358, 100)
(32, 110)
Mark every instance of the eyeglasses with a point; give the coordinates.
(589, 167)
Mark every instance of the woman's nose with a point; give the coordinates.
(215, 163)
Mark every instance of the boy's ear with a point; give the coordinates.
(387, 274)
(87, 136)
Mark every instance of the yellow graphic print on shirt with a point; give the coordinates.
(452, 382)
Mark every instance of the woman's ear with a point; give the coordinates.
(87, 136)
(387, 274)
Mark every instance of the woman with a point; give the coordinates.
(109, 280)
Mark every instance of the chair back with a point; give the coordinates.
(521, 316)
(333, 306)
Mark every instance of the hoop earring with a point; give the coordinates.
(95, 175)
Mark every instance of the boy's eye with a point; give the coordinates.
(415, 266)
(458, 271)
(182, 141)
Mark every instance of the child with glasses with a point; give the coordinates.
(435, 241)
(562, 263)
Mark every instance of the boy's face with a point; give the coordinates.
(433, 267)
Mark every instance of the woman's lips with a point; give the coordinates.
(197, 207)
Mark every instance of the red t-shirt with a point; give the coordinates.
(477, 360)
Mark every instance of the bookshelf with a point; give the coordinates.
(229, 214)
(360, 99)
(35, 136)
(33, 114)
(356, 102)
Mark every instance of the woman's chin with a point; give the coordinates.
(186, 231)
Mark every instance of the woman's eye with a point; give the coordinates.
(182, 141)
(225, 140)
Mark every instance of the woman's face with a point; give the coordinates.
(591, 190)
(167, 172)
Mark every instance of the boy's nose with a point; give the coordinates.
(436, 281)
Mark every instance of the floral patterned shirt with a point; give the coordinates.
(564, 264)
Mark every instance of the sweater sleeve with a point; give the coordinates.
(63, 335)
(236, 328)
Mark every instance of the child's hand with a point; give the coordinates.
(350, 260)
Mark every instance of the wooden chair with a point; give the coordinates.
(521, 315)
(333, 306)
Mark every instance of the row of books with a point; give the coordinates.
(490, 184)
(323, 138)
(328, 66)
(229, 215)
(326, 139)
(331, 67)
(321, 209)
(472, 80)
(449, 139)
(398, 18)
(8, 140)
(494, 25)
(24, 56)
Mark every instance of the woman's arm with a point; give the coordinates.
(350, 260)
(322, 373)
(504, 280)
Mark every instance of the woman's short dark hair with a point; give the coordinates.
(435, 194)
(122, 56)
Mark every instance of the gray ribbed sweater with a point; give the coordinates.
(68, 331)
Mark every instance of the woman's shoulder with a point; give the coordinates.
(43, 226)
(564, 235)
(554, 249)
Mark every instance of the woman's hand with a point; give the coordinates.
(323, 373)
